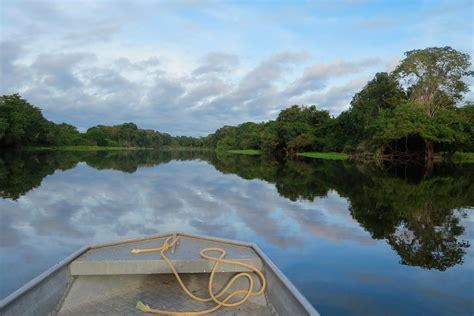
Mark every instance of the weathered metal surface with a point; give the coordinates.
(118, 295)
(44, 299)
(118, 259)
(41, 295)
(282, 294)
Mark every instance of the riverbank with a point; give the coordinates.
(327, 156)
(316, 155)
(463, 157)
(457, 157)
(106, 148)
(81, 148)
(250, 152)
(185, 148)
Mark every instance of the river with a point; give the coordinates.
(353, 238)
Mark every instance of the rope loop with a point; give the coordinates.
(218, 298)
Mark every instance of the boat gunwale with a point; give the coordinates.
(30, 285)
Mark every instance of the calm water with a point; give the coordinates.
(354, 239)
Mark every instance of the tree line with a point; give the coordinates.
(22, 124)
(415, 111)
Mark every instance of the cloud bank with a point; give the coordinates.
(189, 68)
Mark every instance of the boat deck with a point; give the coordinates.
(109, 279)
(118, 259)
(118, 295)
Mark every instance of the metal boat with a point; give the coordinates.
(109, 279)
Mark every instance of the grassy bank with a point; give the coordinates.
(328, 156)
(184, 148)
(462, 157)
(251, 152)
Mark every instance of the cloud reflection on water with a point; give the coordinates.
(318, 243)
(91, 206)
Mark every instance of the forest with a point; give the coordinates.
(22, 124)
(418, 111)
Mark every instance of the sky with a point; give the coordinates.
(190, 67)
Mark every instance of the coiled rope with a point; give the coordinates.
(217, 298)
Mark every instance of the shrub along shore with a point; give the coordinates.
(327, 156)
(456, 157)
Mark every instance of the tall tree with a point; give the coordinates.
(467, 112)
(22, 123)
(302, 127)
(432, 78)
(380, 94)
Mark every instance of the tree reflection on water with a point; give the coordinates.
(419, 216)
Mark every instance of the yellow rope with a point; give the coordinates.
(213, 297)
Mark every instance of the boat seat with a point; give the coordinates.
(118, 259)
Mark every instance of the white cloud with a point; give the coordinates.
(316, 76)
(217, 63)
(85, 90)
(187, 68)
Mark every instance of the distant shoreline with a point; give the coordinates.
(102, 148)
(249, 152)
(78, 148)
(457, 157)
(324, 155)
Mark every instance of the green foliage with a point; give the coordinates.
(303, 142)
(270, 141)
(433, 77)
(302, 128)
(327, 156)
(297, 128)
(226, 138)
(404, 121)
(97, 135)
(22, 123)
(3, 127)
(467, 113)
(65, 134)
(251, 152)
(244, 136)
(340, 133)
(407, 120)
(463, 157)
(249, 135)
(381, 94)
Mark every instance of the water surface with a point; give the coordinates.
(360, 239)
